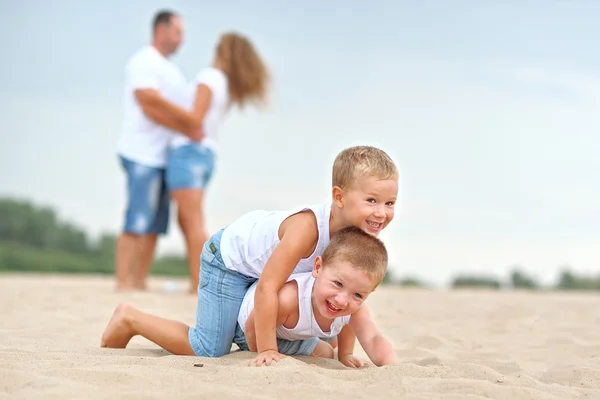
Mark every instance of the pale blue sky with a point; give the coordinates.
(489, 108)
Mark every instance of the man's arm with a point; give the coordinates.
(144, 77)
(161, 117)
(165, 113)
(377, 347)
(175, 117)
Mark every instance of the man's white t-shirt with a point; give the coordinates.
(143, 140)
(217, 82)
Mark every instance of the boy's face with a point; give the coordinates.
(339, 289)
(369, 204)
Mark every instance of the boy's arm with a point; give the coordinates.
(377, 347)
(288, 303)
(165, 113)
(298, 233)
(346, 339)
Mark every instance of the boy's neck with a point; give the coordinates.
(336, 221)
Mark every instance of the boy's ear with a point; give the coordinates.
(337, 196)
(317, 266)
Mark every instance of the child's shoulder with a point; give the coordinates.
(288, 303)
(289, 291)
(303, 223)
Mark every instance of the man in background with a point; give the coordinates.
(143, 146)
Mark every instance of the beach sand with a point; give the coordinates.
(451, 345)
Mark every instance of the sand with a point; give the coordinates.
(451, 345)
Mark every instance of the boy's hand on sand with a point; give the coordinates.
(267, 358)
(350, 361)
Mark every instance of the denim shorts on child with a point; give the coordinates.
(147, 199)
(190, 166)
(220, 295)
(287, 347)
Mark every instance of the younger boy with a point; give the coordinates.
(317, 305)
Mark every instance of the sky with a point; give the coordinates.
(490, 110)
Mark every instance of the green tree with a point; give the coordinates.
(33, 238)
(22, 222)
(106, 245)
(411, 282)
(569, 281)
(474, 281)
(520, 280)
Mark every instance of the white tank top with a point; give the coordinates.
(248, 242)
(307, 326)
(217, 82)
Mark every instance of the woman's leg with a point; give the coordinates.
(189, 169)
(191, 220)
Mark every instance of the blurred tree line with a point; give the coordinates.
(518, 279)
(33, 238)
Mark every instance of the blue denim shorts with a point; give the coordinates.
(220, 295)
(287, 347)
(147, 199)
(190, 166)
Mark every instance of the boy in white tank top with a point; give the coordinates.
(317, 305)
(268, 247)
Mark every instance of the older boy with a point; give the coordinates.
(268, 246)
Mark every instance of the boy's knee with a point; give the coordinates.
(323, 350)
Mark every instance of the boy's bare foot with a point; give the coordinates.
(118, 332)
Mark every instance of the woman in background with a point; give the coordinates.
(237, 76)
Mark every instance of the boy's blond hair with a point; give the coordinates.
(359, 162)
(363, 251)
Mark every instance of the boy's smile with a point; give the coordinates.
(339, 290)
(370, 203)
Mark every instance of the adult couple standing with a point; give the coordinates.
(169, 141)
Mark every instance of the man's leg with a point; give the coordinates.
(141, 269)
(143, 195)
(148, 242)
(126, 249)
